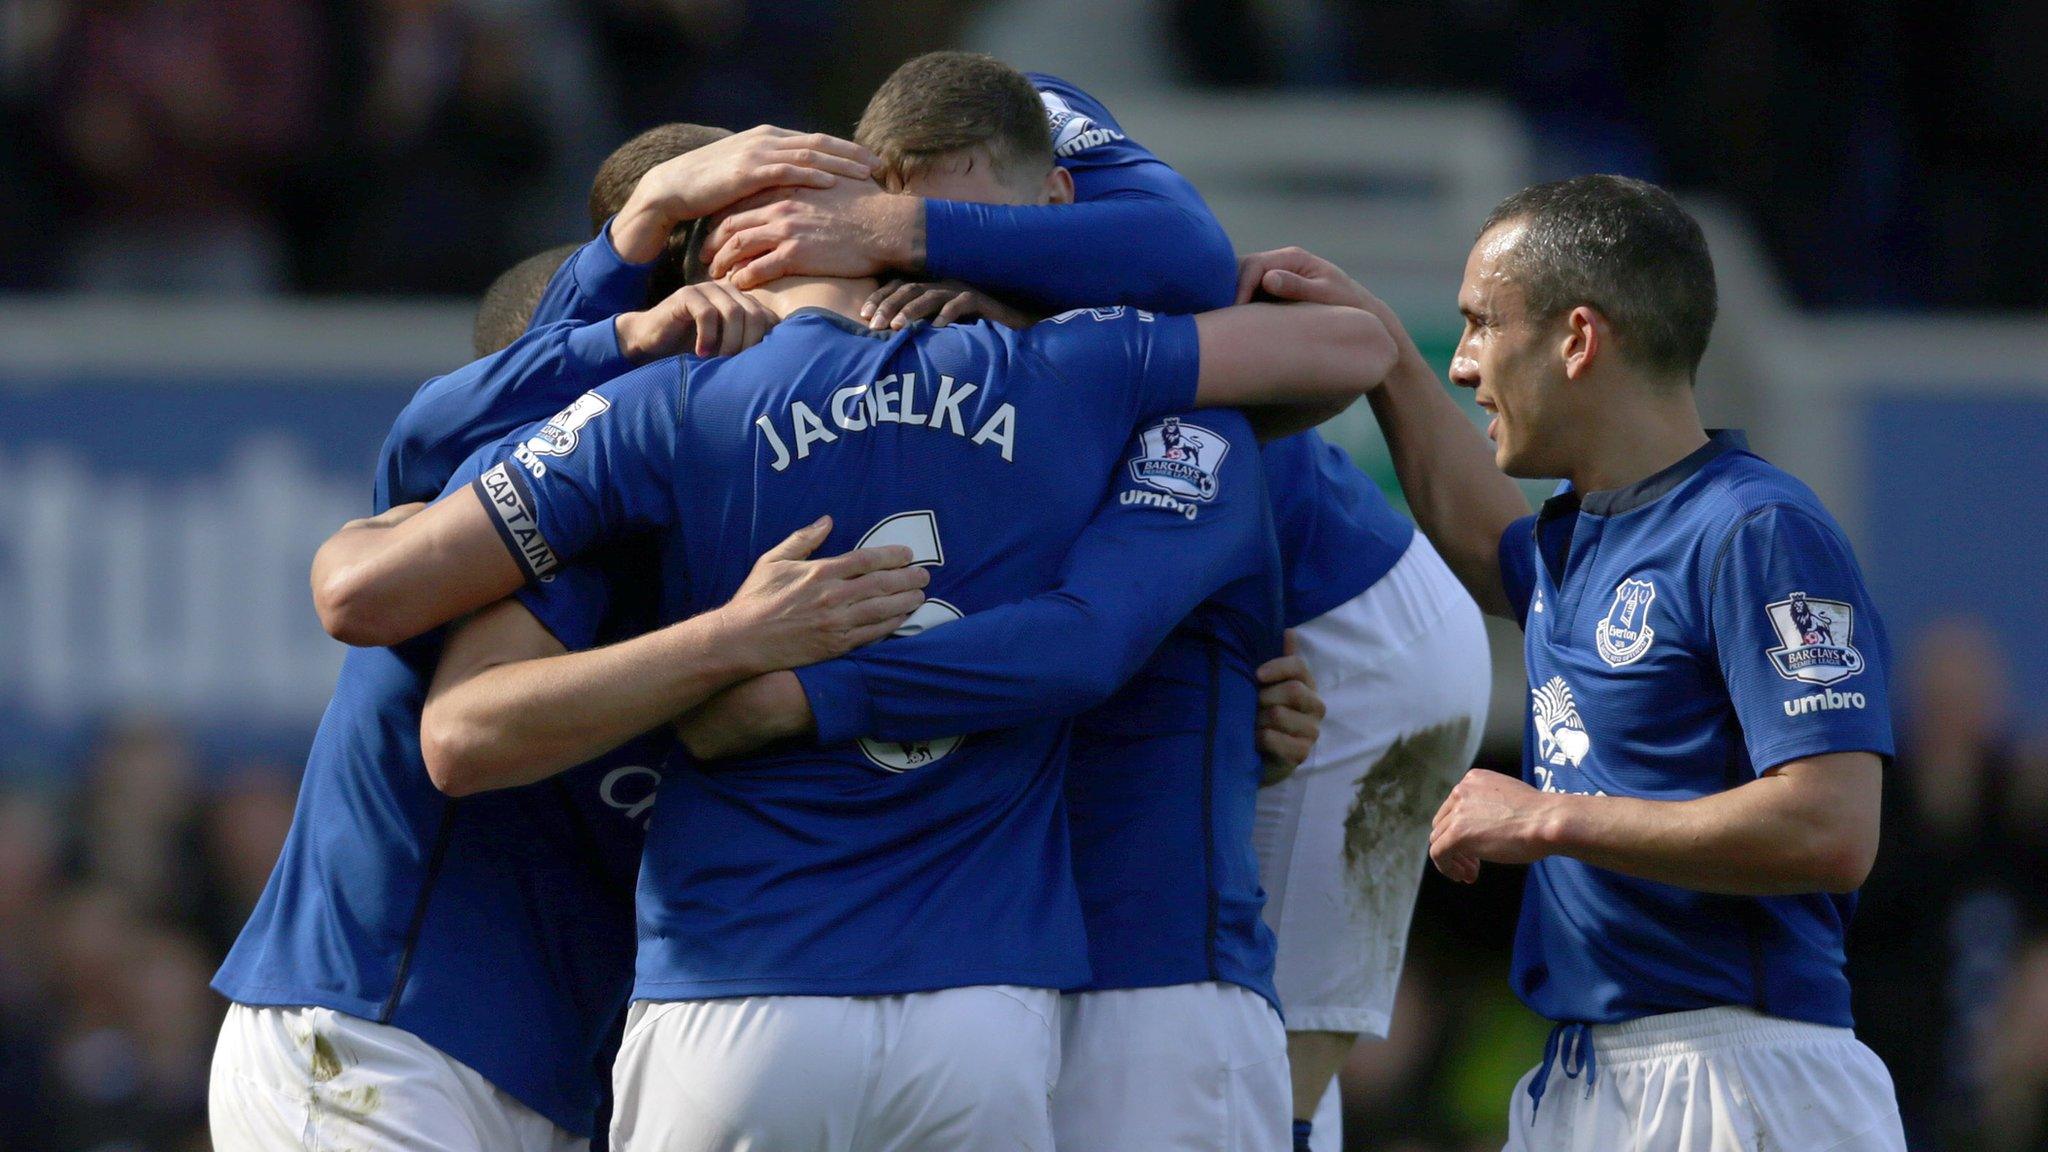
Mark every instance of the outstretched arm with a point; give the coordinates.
(1291, 365)
(1460, 499)
(511, 704)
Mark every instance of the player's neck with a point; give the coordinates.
(790, 293)
(1633, 441)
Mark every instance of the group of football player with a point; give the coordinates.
(873, 655)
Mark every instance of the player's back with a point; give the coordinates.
(870, 867)
(393, 903)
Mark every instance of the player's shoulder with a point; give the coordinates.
(1080, 123)
(1082, 335)
(1743, 487)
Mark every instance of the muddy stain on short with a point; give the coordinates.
(326, 1061)
(1401, 793)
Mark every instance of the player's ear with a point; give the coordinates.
(1582, 341)
(1059, 187)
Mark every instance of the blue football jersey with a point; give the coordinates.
(1163, 780)
(1173, 592)
(498, 927)
(1685, 635)
(452, 416)
(856, 869)
(1140, 234)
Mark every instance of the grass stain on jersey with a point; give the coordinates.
(1399, 795)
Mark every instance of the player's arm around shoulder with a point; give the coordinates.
(388, 578)
(1459, 497)
(515, 700)
(1292, 365)
(518, 509)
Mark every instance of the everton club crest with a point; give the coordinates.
(1624, 634)
(1814, 639)
(1179, 459)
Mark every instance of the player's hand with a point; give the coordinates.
(1489, 818)
(1290, 713)
(747, 717)
(723, 173)
(852, 229)
(794, 611)
(898, 303)
(710, 318)
(1297, 274)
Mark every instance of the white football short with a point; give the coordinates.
(1717, 1080)
(957, 1070)
(324, 1081)
(1406, 673)
(1184, 1068)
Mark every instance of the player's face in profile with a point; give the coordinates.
(972, 176)
(1501, 357)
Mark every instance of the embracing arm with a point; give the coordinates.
(510, 704)
(611, 273)
(1292, 366)
(1138, 232)
(1053, 655)
(1810, 825)
(1462, 501)
(1131, 247)
(391, 577)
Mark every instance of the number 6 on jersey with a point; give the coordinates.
(919, 532)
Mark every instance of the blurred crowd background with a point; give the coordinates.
(1891, 155)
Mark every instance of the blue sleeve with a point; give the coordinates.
(1800, 646)
(593, 283)
(452, 416)
(600, 468)
(1518, 566)
(1138, 232)
(572, 605)
(1131, 365)
(1196, 513)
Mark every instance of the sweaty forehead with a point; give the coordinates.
(1488, 283)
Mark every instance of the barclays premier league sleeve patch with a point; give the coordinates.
(1813, 639)
(1073, 132)
(559, 435)
(1179, 465)
(504, 491)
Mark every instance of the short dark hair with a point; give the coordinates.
(630, 161)
(944, 103)
(508, 304)
(1624, 247)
